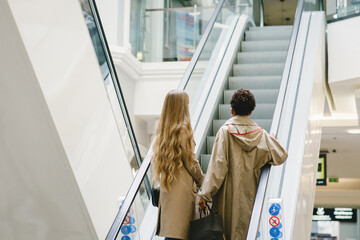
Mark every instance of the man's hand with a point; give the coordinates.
(274, 136)
(202, 204)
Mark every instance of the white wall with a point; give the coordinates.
(59, 112)
(146, 86)
(343, 70)
(112, 19)
(344, 50)
(349, 231)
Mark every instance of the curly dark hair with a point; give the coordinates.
(243, 102)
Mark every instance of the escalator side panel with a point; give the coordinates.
(300, 170)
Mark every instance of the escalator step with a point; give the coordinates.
(209, 143)
(262, 111)
(261, 69)
(272, 28)
(255, 82)
(204, 161)
(262, 57)
(277, 34)
(257, 46)
(261, 95)
(264, 123)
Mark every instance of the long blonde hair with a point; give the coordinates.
(169, 153)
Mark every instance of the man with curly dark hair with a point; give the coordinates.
(240, 150)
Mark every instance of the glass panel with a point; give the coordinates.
(172, 34)
(140, 221)
(180, 32)
(338, 9)
(200, 81)
(95, 38)
(110, 84)
(312, 5)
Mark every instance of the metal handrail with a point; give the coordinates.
(200, 46)
(134, 188)
(261, 6)
(184, 8)
(260, 195)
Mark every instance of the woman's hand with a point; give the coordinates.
(202, 204)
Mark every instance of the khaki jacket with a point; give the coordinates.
(240, 149)
(177, 206)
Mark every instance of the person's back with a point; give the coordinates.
(241, 149)
(175, 167)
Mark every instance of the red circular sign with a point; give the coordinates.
(274, 221)
(127, 220)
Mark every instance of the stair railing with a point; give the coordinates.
(260, 195)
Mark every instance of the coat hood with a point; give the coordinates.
(245, 131)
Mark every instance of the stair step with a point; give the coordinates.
(204, 161)
(255, 82)
(272, 28)
(262, 111)
(261, 69)
(279, 34)
(257, 46)
(209, 143)
(264, 123)
(261, 95)
(262, 57)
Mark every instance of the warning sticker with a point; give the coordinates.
(274, 221)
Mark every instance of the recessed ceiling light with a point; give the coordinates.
(354, 131)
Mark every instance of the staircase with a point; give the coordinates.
(259, 68)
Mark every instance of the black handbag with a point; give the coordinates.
(209, 227)
(155, 196)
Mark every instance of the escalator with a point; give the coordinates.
(284, 68)
(260, 63)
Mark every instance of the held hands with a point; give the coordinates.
(202, 204)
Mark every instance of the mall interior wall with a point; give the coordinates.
(63, 165)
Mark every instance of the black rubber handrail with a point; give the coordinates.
(260, 194)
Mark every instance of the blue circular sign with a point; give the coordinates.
(279, 226)
(280, 235)
(132, 228)
(274, 209)
(125, 238)
(132, 220)
(274, 232)
(274, 239)
(125, 230)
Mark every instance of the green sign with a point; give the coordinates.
(321, 170)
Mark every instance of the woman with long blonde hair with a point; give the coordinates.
(175, 167)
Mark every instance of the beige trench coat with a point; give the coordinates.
(177, 206)
(240, 149)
